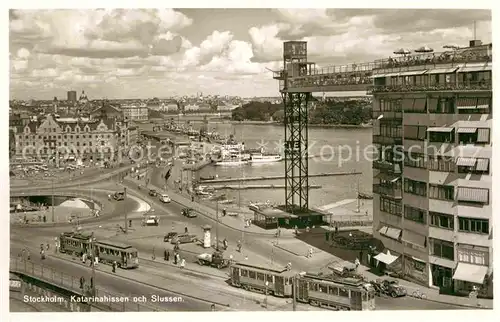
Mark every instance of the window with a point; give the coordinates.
(390, 130)
(343, 292)
(473, 225)
(473, 254)
(441, 220)
(474, 105)
(442, 136)
(441, 192)
(251, 274)
(269, 278)
(415, 132)
(415, 214)
(333, 290)
(418, 265)
(441, 163)
(415, 187)
(473, 195)
(390, 206)
(474, 166)
(442, 248)
(415, 105)
(415, 160)
(260, 276)
(441, 105)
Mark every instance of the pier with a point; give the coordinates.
(326, 174)
(257, 186)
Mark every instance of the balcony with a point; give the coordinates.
(387, 140)
(484, 85)
(387, 167)
(392, 191)
(388, 115)
(478, 54)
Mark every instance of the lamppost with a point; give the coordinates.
(93, 262)
(53, 214)
(217, 225)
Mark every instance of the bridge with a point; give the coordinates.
(299, 78)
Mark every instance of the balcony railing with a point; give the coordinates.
(384, 166)
(470, 86)
(388, 190)
(330, 80)
(388, 115)
(382, 139)
(479, 54)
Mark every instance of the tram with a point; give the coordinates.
(106, 251)
(319, 289)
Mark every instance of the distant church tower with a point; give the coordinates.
(54, 104)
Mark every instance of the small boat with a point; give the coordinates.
(265, 158)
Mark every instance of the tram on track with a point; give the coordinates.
(323, 289)
(106, 251)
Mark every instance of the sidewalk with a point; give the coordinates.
(431, 293)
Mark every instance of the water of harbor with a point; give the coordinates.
(326, 140)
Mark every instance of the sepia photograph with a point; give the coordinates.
(250, 159)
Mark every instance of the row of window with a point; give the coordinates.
(329, 289)
(53, 144)
(466, 253)
(70, 136)
(444, 192)
(446, 221)
(444, 135)
(446, 164)
(390, 206)
(437, 105)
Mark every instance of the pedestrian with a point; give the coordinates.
(192, 198)
(42, 254)
(336, 229)
(185, 230)
(28, 256)
(224, 212)
(212, 307)
(113, 266)
(175, 258)
(307, 229)
(165, 255)
(224, 242)
(44, 218)
(183, 263)
(296, 230)
(239, 246)
(84, 258)
(356, 263)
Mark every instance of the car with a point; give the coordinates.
(151, 221)
(389, 287)
(164, 198)
(119, 196)
(168, 237)
(183, 239)
(189, 212)
(152, 193)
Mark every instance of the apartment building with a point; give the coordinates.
(135, 112)
(432, 183)
(76, 138)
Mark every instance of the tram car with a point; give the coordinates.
(111, 251)
(107, 252)
(319, 289)
(254, 277)
(332, 292)
(75, 244)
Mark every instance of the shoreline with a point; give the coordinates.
(365, 126)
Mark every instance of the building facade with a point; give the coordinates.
(433, 177)
(75, 138)
(135, 112)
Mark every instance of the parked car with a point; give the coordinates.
(168, 237)
(189, 212)
(183, 239)
(152, 193)
(164, 198)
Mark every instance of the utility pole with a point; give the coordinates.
(92, 259)
(294, 292)
(124, 197)
(53, 215)
(217, 225)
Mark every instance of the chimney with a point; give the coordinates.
(475, 43)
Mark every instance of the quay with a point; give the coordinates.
(326, 174)
(258, 186)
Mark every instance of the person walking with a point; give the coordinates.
(113, 266)
(239, 246)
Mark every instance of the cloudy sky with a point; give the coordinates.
(159, 53)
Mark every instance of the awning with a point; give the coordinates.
(391, 75)
(483, 135)
(464, 103)
(387, 177)
(483, 103)
(466, 162)
(466, 130)
(440, 129)
(476, 68)
(393, 233)
(473, 194)
(383, 230)
(442, 71)
(470, 273)
(412, 73)
(413, 238)
(419, 104)
(386, 258)
(482, 164)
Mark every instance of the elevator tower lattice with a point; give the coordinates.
(296, 119)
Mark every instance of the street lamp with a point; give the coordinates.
(217, 225)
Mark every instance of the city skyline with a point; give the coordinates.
(135, 53)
